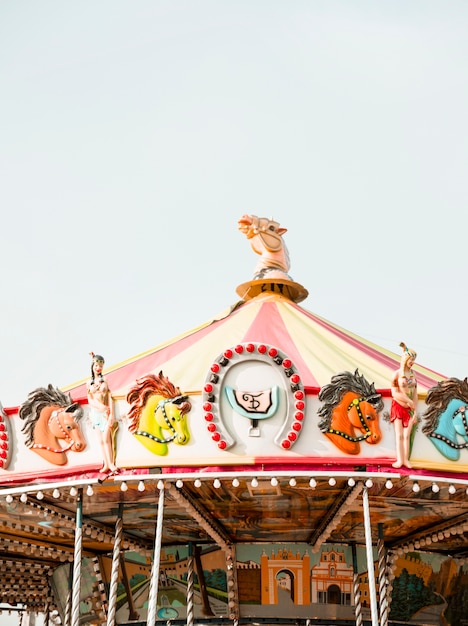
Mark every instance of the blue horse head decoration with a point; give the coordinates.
(446, 419)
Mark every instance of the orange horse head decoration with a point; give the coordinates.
(350, 412)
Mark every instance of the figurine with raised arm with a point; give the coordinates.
(101, 412)
(266, 238)
(404, 405)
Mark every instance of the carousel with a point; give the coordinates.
(267, 467)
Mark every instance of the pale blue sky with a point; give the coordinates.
(135, 134)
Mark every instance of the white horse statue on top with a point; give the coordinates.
(266, 239)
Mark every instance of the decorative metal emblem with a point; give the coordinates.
(255, 405)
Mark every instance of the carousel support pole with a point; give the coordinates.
(391, 558)
(47, 614)
(153, 593)
(356, 590)
(114, 580)
(67, 617)
(206, 608)
(383, 582)
(190, 585)
(133, 614)
(370, 558)
(75, 613)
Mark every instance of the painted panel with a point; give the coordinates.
(278, 580)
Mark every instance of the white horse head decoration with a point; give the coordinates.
(266, 238)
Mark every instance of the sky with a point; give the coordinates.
(134, 135)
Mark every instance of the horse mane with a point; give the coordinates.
(144, 388)
(344, 382)
(438, 398)
(38, 400)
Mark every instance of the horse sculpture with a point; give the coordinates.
(445, 421)
(266, 239)
(157, 406)
(50, 416)
(351, 406)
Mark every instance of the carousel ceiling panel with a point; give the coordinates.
(423, 521)
(240, 511)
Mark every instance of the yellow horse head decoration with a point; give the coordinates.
(158, 413)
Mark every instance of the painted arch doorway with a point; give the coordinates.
(285, 587)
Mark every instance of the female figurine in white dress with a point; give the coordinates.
(101, 413)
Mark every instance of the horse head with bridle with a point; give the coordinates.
(266, 239)
(445, 421)
(50, 416)
(158, 413)
(350, 411)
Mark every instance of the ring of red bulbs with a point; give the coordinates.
(289, 371)
(3, 442)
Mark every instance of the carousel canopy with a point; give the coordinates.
(226, 507)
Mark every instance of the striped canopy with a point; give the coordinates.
(318, 348)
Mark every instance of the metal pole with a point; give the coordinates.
(382, 559)
(67, 617)
(133, 614)
(153, 593)
(190, 585)
(75, 617)
(46, 614)
(370, 558)
(115, 568)
(205, 599)
(356, 589)
(391, 556)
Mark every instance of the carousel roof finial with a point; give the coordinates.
(266, 238)
(271, 272)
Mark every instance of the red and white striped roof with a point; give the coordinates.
(318, 348)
